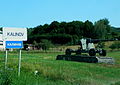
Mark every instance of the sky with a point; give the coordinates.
(31, 13)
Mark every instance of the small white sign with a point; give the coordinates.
(1, 37)
(14, 34)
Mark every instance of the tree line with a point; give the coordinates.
(71, 32)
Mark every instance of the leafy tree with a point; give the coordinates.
(88, 29)
(45, 44)
(45, 28)
(61, 38)
(114, 34)
(54, 27)
(78, 28)
(70, 28)
(102, 28)
(63, 26)
(74, 28)
(37, 30)
(75, 40)
(0, 28)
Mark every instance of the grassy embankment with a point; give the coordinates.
(54, 72)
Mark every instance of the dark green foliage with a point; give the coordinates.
(88, 29)
(54, 27)
(116, 33)
(71, 32)
(118, 45)
(119, 38)
(115, 45)
(117, 83)
(75, 40)
(0, 28)
(54, 38)
(61, 38)
(101, 45)
(45, 44)
(102, 28)
(5, 78)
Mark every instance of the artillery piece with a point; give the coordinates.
(87, 46)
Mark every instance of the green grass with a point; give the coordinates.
(55, 72)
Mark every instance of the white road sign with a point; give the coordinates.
(1, 37)
(14, 34)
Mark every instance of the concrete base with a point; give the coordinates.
(86, 58)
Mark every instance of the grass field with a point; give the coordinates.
(55, 72)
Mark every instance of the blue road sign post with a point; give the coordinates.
(14, 44)
(19, 64)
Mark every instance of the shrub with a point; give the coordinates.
(117, 83)
(115, 45)
(101, 45)
(45, 44)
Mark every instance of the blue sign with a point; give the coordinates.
(14, 44)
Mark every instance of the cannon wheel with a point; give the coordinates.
(78, 52)
(92, 52)
(68, 52)
(102, 53)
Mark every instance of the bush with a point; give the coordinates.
(115, 45)
(117, 83)
(61, 38)
(101, 45)
(45, 44)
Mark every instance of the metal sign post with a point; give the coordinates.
(19, 64)
(17, 45)
(6, 54)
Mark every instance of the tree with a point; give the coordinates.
(61, 38)
(63, 26)
(54, 27)
(88, 29)
(70, 29)
(45, 27)
(45, 44)
(74, 28)
(102, 28)
(37, 30)
(0, 28)
(78, 28)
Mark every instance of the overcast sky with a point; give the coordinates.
(31, 13)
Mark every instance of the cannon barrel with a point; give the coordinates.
(89, 40)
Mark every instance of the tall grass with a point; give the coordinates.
(54, 72)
